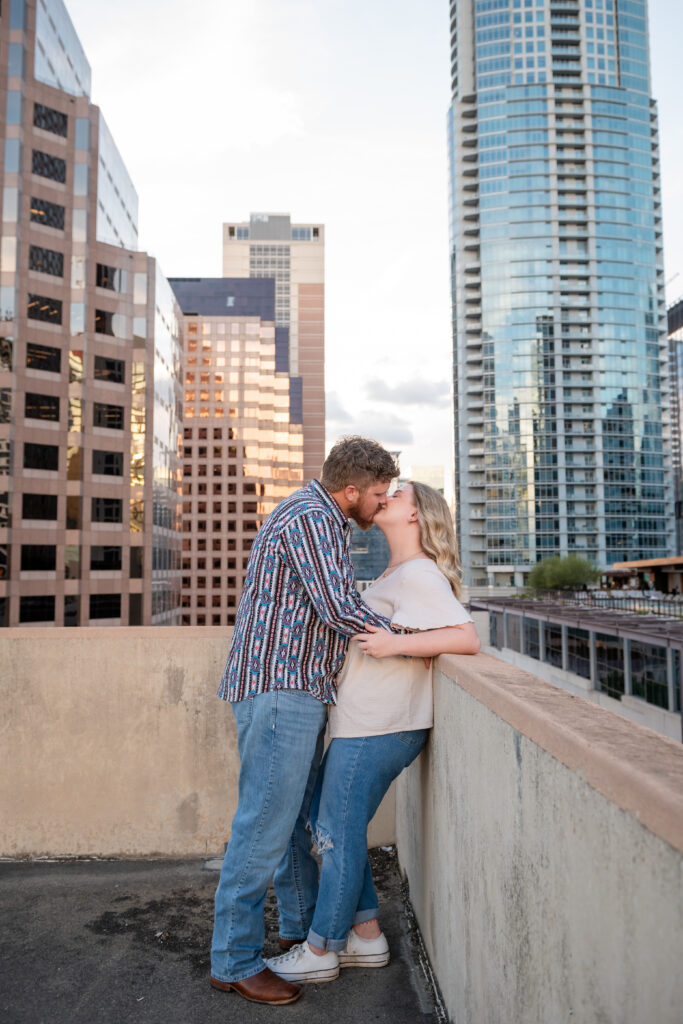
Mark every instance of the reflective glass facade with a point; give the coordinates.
(293, 255)
(675, 326)
(117, 200)
(242, 445)
(59, 57)
(560, 361)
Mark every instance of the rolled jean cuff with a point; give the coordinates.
(241, 976)
(365, 915)
(333, 945)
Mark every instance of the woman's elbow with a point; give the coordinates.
(472, 641)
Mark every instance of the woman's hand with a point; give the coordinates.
(378, 643)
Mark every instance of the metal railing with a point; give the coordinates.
(640, 603)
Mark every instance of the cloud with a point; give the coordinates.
(410, 392)
(334, 410)
(388, 429)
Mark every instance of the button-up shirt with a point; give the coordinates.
(299, 605)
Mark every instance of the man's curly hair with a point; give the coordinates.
(357, 461)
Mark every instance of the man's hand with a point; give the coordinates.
(378, 643)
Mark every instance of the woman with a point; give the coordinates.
(379, 726)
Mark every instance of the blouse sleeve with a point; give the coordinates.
(425, 600)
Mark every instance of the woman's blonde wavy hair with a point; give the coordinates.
(437, 532)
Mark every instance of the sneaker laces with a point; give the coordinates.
(292, 956)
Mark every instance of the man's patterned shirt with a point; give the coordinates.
(299, 605)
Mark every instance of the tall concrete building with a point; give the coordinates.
(243, 440)
(90, 357)
(269, 245)
(562, 405)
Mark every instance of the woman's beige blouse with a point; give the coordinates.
(382, 695)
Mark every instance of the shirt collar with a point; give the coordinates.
(332, 504)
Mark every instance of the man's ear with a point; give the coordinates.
(351, 493)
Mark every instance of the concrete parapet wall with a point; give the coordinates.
(114, 744)
(542, 837)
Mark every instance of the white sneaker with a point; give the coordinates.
(302, 965)
(360, 952)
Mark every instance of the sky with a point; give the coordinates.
(333, 111)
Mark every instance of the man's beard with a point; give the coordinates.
(360, 521)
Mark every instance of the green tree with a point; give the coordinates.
(562, 573)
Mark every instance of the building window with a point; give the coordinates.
(41, 456)
(514, 638)
(43, 357)
(41, 307)
(47, 166)
(496, 634)
(105, 557)
(73, 512)
(37, 609)
(112, 370)
(111, 278)
(135, 610)
(50, 120)
(5, 405)
(109, 416)
(107, 510)
(46, 261)
(609, 652)
(105, 606)
(136, 563)
(112, 324)
(50, 214)
(41, 407)
(39, 506)
(71, 602)
(107, 463)
(531, 645)
(553, 644)
(578, 652)
(648, 673)
(38, 557)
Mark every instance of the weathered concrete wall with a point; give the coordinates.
(113, 743)
(542, 840)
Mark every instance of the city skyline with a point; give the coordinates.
(357, 133)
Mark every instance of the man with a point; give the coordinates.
(298, 609)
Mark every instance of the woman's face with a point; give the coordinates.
(399, 509)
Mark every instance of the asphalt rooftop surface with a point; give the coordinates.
(105, 942)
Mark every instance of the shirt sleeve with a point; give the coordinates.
(425, 600)
(315, 551)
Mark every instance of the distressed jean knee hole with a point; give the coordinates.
(322, 840)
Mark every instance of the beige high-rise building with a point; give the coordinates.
(242, 448)
(269, 245)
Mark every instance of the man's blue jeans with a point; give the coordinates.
(280, 740)
(355, 776)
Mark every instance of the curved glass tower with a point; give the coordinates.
(560, 353)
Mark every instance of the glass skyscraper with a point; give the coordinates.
(562, 405)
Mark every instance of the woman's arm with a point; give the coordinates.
(378, 643)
